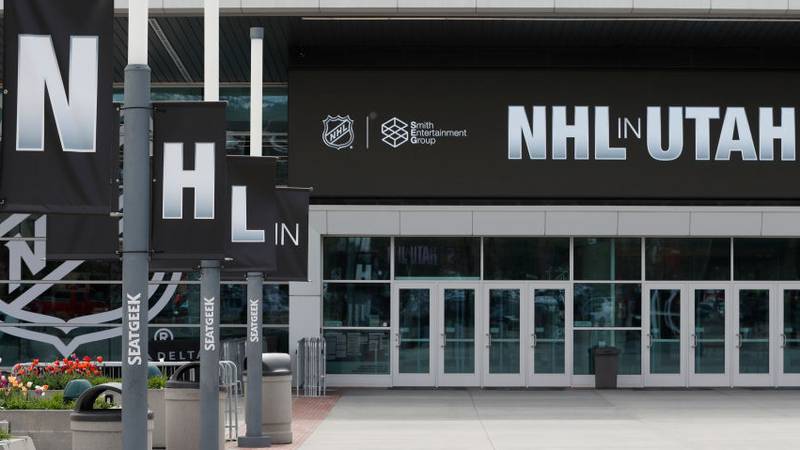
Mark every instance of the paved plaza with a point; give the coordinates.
(465, 419)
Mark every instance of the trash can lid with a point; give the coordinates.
(181, 378)
(606, 351)
(84, 406)
(276, 364)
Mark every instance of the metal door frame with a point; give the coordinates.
(666, 380)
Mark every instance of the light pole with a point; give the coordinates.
(255, 438)
(136, 235)
(210, 269)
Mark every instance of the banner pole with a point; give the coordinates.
(210, 269)
(255, 438)
(135, 244)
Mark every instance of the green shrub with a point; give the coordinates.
(4, 436)
(159, 382)
(55, 401)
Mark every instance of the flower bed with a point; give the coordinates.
(57, 374)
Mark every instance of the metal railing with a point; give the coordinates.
(310, 359)
(229, 379)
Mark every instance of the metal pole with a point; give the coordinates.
(136, 235)
(255, 438)
(209, 356)
(210, 270)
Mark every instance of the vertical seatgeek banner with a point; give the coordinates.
(189, 201)
(253, 215)
(291, 235)
(58, 147)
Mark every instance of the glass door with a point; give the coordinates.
(458, 315)
(413, 362)
(788, 352)
(752, 356)
(503, 355)
(550, 321)
(709, 348)
(664, 358)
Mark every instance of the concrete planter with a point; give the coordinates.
(49, 429)
(17, 443)
(155, 403)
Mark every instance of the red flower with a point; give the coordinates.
(87, 359)
(100, 359)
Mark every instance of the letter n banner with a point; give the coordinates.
(189, 201)
(58, 147)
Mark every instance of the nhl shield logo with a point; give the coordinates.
(337, 132)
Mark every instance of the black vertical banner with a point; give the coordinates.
(58, 145)
(250, 225)
(290, 235)
(189, 201)
(72, 236)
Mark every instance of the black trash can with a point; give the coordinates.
(606, 367)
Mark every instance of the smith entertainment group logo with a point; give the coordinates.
(31, 256)
(396, 132)
(337, 132)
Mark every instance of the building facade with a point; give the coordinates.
(452, 244)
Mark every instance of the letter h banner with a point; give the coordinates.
(189, 201)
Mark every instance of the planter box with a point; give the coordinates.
(49, 429)
(155, 403)
(17, 443)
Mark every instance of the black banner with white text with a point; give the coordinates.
(58, 149)
(253, 214)
(541, 134)
(189, 201)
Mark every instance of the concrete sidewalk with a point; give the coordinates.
(721, 419)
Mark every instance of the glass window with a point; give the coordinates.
(629, 343)
(63, 301)
(184, 307)
(356, 305)
(608, 305)
(608, 259)
(356, 258)
(437, 258)
(276, 339)
(526, 258)
(766, 259)
(688, 259)
(354, 352)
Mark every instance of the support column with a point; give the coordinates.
(136, 233)
(209, 355)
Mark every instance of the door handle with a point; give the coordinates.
(488, 340)
(444, 340)
(397, 340)
(783, 340)
(694, 340)
(649, 340)
(534, 342)
(738, 340)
